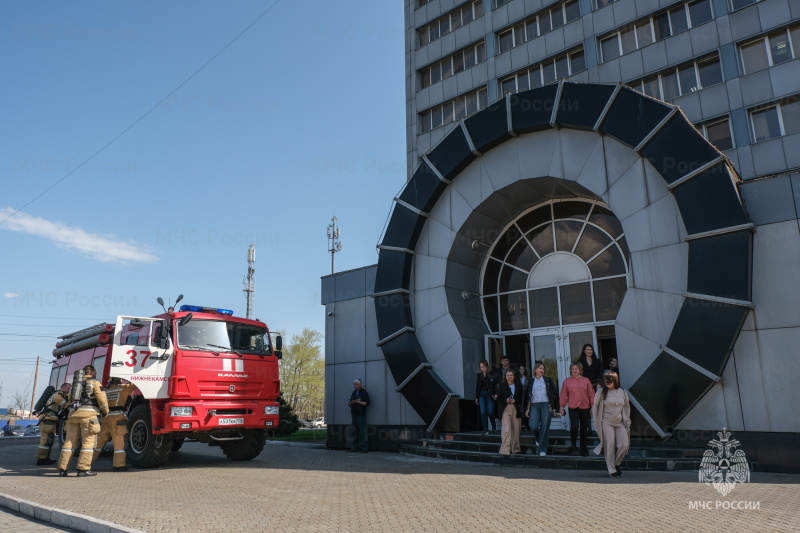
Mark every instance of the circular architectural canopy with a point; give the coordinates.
(697, 176)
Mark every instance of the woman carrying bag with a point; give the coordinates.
(612, 419)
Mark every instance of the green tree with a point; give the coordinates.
(302, 374)
(288, 422)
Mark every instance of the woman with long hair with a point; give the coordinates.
(510, 398)
(592, 367)
(577, 394)
(612, 418)
(485, 386)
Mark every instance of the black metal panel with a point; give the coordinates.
(632, 116)
(392, 313)
(668, 389)
(404, 228)
(403, 354)
(721, 265)
(531, 110)
(452, 155)
(677, 149)
(489, 127)
(705, 332)
(426, 393)
(581, 104)
(423, 189)
(709, 201)
(394, 271)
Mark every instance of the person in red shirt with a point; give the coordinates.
(578, 395)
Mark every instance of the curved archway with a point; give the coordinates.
(630, 128)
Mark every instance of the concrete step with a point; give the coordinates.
(553, 449)
(570, 462)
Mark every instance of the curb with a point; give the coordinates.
(62, 518)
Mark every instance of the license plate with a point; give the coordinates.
(230, 421)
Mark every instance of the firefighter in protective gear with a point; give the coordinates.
(48, 423)
(84, 424)
(115, 425)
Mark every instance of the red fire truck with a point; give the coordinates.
(202, 375)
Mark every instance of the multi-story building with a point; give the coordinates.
(559, 196)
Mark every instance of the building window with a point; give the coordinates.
(498, 3)
(452, 110)
(586, 237)
(602, 3)
(739, 4)
(450, 22)
(771, 50)
(423, 2)
(543, 22)
(545, 72)
(656, 28)
(776, 120)
(718, 133)
(452, 65)
(683, 80)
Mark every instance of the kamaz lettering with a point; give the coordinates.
(231, 375)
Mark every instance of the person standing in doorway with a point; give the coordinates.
(499, 379)
(359, 401)
(592, 367)
(485, 390)
(577, 393)
(613, 366)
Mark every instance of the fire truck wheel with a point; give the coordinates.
(248, 448)
(144, 449)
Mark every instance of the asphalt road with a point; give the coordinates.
(309, 488)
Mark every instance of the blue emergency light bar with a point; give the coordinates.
(201, 309)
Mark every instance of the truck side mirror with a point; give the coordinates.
(279, 354)
(185, 320)
(278, 343)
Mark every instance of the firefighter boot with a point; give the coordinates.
(121, 468)
(86, 473)
(62, 473)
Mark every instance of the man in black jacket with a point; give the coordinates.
(359, 401)
(499, 378)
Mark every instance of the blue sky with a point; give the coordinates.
(300, 118)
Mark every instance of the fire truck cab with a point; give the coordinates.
(201, 374)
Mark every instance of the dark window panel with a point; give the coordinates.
(677, 17)
(623, 244)
(610, 48)
(451, 155)
(562, 66)
(531, 110)
(576, 303)
(754, 56)
(577, 210)
(548, 72)
(423, 189)
(652, 88)
(608, 263)
(534, 218)
(668, 400)
(403, 229)
(513, 311)
(458, 63)
(566, 234)
(505, 242)
(488, 127)
(512, 279)
(709, 201)
(644, 34)
(606, 220)
(490, 276)
(704, 332)
(557, 17)
(710, 72)
(542, 239)
(544, 23)
(790, 112)
(688, 79)
(394, 271)
(522, 82)
(661, 26)
(581, 104)
(765, 124)
(632, 116)
(394, 314)
(510, 85)
(719, 135)
(608, 295)
(678, 149)
(522, 256)
(573, 10)
(628, 39)
(669, 85)
(577, 62)
(543, 307)
(700, 12)
(490, 309)
(506, 41)
(721, 265)
(592, 241)
(779, 48)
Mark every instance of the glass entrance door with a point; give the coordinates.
(547, 348)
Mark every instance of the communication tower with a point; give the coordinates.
(250, 280)
(333, 241)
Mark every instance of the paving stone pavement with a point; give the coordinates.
(301, 488)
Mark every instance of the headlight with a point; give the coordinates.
(180, 411)
(271, 410)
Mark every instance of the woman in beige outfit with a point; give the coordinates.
(612, 419)
(510, 398)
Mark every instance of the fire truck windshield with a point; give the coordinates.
(245, 338)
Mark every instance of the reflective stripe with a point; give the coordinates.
(119, 451)
(114, 413)
(66, 449)
(45, 447)
(90, 450)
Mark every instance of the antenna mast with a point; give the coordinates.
(250, 280)
(333, 241)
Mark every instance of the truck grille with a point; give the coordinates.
(222, 388)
